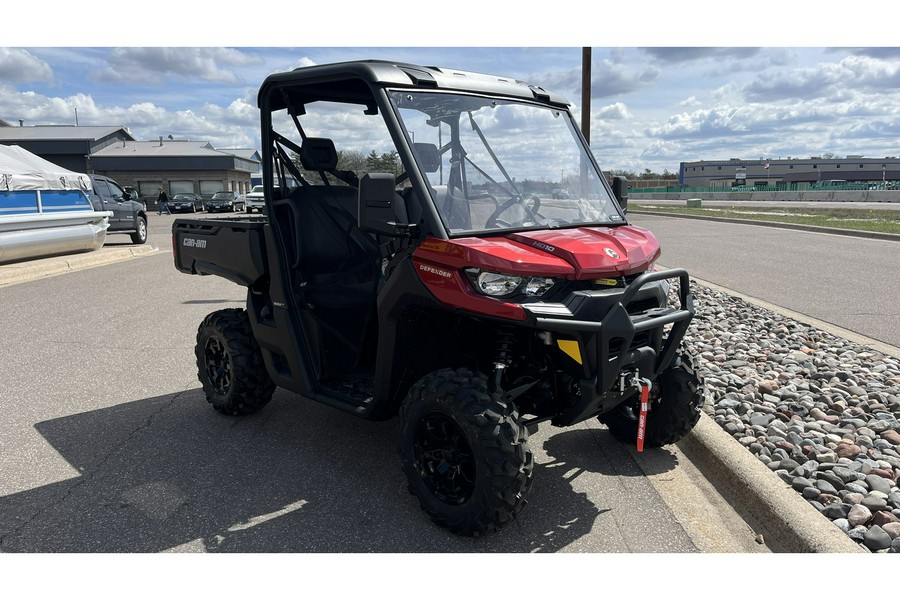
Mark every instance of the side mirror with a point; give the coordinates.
(381, 209)
(620, 191)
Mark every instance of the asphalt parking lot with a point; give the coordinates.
(708, 464)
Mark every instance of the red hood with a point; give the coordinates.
(581, 253)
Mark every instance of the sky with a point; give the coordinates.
(676, 89)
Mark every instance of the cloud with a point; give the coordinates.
(610, 77)
(883, 53)
(37, 109)
(20, 66)
(715, 121)
(860, 73)
(663, 151)
(680, 55)
(159, 65)
(617, 111)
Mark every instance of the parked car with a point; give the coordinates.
(560, 194)
(129, 216)
(255, 199)
(187, 203)
(226, 202)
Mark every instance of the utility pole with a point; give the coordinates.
(586, 94)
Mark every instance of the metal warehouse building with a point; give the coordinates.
(176, 165)
(790, 173)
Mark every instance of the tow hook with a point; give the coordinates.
(643, 384)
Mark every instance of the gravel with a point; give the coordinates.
(823, 413)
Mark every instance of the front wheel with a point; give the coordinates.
(675, 402)
(140, 231)
(465, 452)
(230, 364)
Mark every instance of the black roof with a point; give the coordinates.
(353, 82)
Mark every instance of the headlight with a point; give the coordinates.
(497, 284)
(502, 284)
(538, 286)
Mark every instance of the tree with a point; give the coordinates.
(352, 160)
(389, 162)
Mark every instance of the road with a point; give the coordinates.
(108, 445)
(843, 280)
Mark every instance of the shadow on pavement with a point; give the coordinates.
(168, 473)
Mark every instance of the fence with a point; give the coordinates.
(775, 187)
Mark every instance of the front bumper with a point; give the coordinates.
(616, 337)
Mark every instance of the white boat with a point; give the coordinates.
(45, 209)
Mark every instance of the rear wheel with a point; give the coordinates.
(675, 402)
(464, 452)
(230, 365)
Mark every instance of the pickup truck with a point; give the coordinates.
(256, 199)
(128, 215)
(440, 282)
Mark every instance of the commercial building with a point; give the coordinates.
(788, 174)
(175, 165)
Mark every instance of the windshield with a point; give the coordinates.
(222, 196)
(498, 164)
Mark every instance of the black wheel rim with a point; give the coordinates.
(631, 409)
(218, 365)
(444, 459)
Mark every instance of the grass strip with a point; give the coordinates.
(882, 221)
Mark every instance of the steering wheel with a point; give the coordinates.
(490, 197)
(494, 220)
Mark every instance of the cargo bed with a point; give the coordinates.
(233, 248)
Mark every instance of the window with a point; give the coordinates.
(815, 166)
(208, 188)
(149, 189)
(181, 187)
(18, 202)
(101, 189)
(61, 200)
(837, 166)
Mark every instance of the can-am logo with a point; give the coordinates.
(544, 247)
(611, 253)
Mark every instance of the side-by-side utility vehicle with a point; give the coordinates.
(416, 260)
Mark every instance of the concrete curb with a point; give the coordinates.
(811, 228)
(787, 520)
(21, 272)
